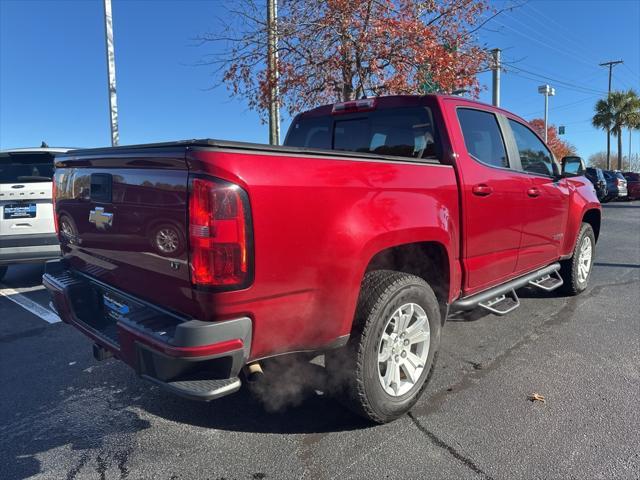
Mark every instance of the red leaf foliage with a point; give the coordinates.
(344, 49)
(560, 148)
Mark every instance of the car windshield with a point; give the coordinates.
(26, 168)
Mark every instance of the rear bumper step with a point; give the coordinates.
(489, 297)
(195, 359)
(199, 389)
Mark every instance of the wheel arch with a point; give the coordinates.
(428, 260)
(593, 217)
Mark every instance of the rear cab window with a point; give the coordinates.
(400, 132)
(26, 168)
(482, 136)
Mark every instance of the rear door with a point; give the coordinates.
(492, 198)
(546, 201)
(25, 194)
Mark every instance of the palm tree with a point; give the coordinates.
(617, 111)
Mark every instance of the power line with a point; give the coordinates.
(567, 105)
(564, 52)
(568, 85)
(574, 53)
(560, 29)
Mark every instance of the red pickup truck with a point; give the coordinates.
(193, 261)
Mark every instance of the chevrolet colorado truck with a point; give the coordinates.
(194, 261)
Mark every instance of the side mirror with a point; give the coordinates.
(572, 167)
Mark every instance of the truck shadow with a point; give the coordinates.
(100, 416)
(294, 400)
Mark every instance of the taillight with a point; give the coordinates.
(54, 190)
(219, 232)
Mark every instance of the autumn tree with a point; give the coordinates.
(339, 50)
(560, 148)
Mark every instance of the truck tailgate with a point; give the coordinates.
(122, 219)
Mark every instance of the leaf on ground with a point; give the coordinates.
(536, 397)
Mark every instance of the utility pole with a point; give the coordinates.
(111, 74)
(272, 53)
(495, 66)
(547, 91)
(610, 64)
(629, 158)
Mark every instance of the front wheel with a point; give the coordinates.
(384, 368)
(576, 270)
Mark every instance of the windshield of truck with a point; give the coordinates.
(404, 132)
(25, 168)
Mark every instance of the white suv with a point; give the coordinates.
(27, 232)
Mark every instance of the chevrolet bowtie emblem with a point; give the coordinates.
(100, 219)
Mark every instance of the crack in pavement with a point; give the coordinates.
(445, 446)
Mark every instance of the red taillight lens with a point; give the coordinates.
(218, 234)
(54, 191)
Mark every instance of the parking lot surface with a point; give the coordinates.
(65, 416)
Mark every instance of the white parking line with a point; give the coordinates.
(29, 305)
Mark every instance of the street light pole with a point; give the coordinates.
(495, 66)
(272, 54)
(547, 91)
(111, 74)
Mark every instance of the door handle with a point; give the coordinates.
(533, 192)
(482, 190)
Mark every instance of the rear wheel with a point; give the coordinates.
(576, 270)
(384, 368)
(3, 271)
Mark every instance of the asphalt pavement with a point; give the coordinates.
(65, 416)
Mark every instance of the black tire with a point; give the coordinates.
(353, 370)
(573, 285)
(3, 271)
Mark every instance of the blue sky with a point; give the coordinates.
(53, 73)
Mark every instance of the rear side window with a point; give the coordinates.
(310, 133)
(25, 168)
(482, 137)
(404, 132)
(535, 157)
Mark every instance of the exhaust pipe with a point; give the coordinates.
(253, 372)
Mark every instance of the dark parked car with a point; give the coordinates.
(596, 177)
(633, 185)
(616, 185)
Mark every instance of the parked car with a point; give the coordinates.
(616, 185)
(27, 232)
(596, 177)
(355, 239)
(633, 185)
